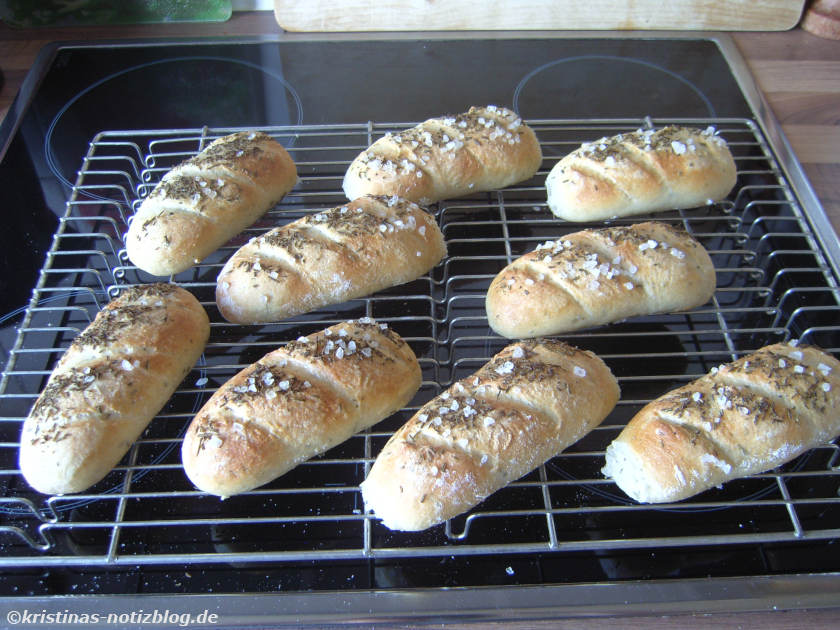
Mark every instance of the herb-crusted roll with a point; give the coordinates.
(595, 277)
(297, 402)
(742, 418)
(485, 148)
(640, 172)
(531, 401)
(329, 257)
(109, 384)
(205, 201)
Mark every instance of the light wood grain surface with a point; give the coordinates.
(799, 74)
(390, 15)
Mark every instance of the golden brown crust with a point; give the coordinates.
(641, 172)
(532, 400)
(297, 402)
(329, 257)
(203, 202)
(743, 418)
(113, 379)
(486, 148)
(595, 277)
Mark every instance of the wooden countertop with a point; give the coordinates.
(799, 75)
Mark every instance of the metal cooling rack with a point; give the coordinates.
(773, 283)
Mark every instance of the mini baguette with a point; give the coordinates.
(531, 401)
(108, 386)
(205, 201)
(486, 148)
(297, 402)
(327, 258)
(743, 418)
(595, 277)
(641, 172)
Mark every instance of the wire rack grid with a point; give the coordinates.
(773, 284)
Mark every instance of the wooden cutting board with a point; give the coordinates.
(443, 15)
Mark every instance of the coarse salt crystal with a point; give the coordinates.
(628, 286)
(126, 365)
(518, 352)
(488, 421)
(201, 382)
(505, 368)
(826, 387)
(678, 147)
(284, 385)
(579, 371)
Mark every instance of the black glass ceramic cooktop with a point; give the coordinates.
(83, 90)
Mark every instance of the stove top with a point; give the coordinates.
(99, 124)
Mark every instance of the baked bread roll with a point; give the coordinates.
(641, 172)
(297, 402)
(108, 386)
(595, 277)
(486, 148)
(531, 401)
(205, 201)
(743, 418)
(328, 258)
